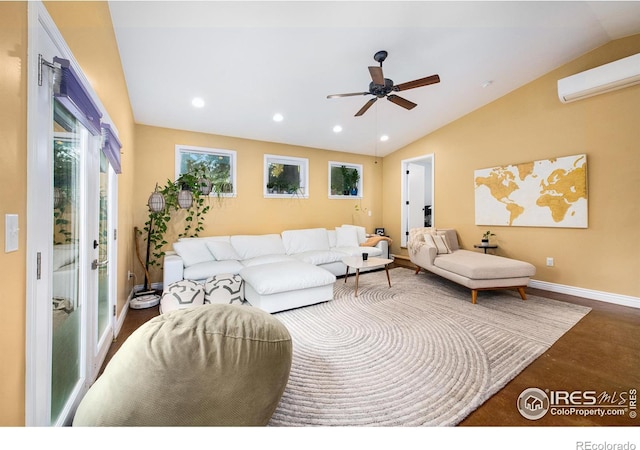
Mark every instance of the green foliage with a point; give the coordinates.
(487, 235)
(283, 179)
(158, 223)
(348, 180)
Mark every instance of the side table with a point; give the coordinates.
(485, 247)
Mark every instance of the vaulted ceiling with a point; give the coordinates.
(249, 61)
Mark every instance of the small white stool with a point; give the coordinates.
(180, 295)
(224, 288)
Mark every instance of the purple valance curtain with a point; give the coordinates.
(73, 95)
(111, 147)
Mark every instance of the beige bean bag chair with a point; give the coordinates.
(212, 365)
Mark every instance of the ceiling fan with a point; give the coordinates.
(381, 87)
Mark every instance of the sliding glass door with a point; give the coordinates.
(70, 230)
(70, 142)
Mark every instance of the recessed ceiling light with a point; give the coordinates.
(384, 138)
(278, 117)
(337, 129)
(197, 102)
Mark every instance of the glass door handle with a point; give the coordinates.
(95, 264)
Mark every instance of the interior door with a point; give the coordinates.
(415, 196)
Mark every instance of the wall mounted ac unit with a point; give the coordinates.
(609, 77)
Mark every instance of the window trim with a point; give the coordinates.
(356, 166)
(232, 154)
(303, 163)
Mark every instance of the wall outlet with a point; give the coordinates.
(549, 261)
(129, 275)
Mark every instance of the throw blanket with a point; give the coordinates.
(373, 240)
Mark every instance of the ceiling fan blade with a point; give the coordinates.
(417, 83)
(376, 75)
(366, 106)
(401, 101)
(347, 95)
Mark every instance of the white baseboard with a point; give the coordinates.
(123, 315)
(618, 299)
(125, 309)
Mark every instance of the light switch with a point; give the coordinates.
(11, 233)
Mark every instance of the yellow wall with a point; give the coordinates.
(87, 29)
(531, 124)
(13, 200)
(250, 212)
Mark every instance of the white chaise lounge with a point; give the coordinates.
(475, 270)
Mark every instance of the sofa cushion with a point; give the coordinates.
(204, 270)
(300, 241)
(267, 259)
(320, 257)
(331, 235)
(452, 237)
(222, 251)
(252, 246)
(478, 266)
(439, 241)
(285, 276)
(346, 237)
(193, 251)
(360, 231)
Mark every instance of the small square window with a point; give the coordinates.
(345, 180)
(220, 165)
(286, 176)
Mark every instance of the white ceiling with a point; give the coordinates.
(250, 60)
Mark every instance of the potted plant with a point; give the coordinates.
(355, 177)
(346, 188)
(486, 236)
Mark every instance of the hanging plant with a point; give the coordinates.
(175, 195)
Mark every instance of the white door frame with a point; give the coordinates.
(44, 38)
(404, 164)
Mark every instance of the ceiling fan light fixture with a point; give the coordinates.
(381, 87)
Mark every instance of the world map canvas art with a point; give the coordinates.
(546, 193)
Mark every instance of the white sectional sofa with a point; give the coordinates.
(280, 271)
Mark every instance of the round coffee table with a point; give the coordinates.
(356, 262)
